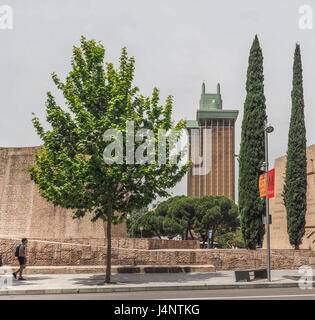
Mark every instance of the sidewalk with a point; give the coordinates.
(94, 283)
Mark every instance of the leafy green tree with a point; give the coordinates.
(159, 221)
(172, 217)
(183, 211)
(296, 175)
(151, 223)
(72, 169)
(190, 217)
(215, 213)
(133, 228)
(251, 154)
(226, 239)
(171, 225)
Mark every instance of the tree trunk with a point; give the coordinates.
(109, 243)
(192, 237)
(186, 236)
(204, 239)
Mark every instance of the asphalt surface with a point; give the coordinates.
(223, 294)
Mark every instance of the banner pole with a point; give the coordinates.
(267, 208)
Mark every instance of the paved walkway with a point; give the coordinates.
(92, 283)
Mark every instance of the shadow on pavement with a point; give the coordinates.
(149, 278)
(29, 281)
(297, 278)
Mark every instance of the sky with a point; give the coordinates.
(177, 44)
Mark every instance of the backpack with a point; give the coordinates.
(17, 251)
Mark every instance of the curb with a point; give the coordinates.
(149, 288)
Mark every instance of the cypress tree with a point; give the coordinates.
(296, 174)
(252, 148)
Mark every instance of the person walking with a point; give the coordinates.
(22, 259)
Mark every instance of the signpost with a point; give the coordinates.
(209, 238)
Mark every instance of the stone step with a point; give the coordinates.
(117, 269)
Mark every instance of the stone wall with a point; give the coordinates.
(24, 213)
(42, 253)
(133, 243)
(279, 238)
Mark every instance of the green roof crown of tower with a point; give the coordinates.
(210, 107)
(210, 101)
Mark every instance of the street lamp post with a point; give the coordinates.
(268, 129)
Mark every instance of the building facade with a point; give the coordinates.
(211, 148)
(279, 238)
(24, 213)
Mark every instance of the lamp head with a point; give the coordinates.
(263, 167)
(269, 128)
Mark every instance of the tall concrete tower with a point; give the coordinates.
(211, 148)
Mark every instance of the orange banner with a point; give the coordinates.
(271, 184)
(262, 185)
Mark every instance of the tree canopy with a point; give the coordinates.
(216, 213)
(295, 185)
(92, 159)
(191, 218)
(252, 149)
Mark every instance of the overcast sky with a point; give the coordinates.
(177, 44)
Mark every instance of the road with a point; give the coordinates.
(224, 294)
